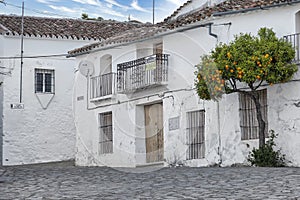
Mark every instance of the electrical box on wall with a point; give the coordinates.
(17, 106)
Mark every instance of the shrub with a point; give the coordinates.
(266, 156)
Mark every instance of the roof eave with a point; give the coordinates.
(218, 14)
(159, 35)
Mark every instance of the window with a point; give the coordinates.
(249, 123)
(106, 135)
(44, 81)
(195, 134)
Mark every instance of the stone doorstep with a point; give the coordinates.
(153, 164)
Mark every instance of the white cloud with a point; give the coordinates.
(109, 5)
(115, 3)
(177, 2)
(63, 9)
(113, 13)
(90, 2)
(47, 1)
(135, 5)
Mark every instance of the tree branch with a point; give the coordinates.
(258, 85)
(251, 86)
(234, 84)
(231, 84)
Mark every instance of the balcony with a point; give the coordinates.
(294, 39)
(142, 73)
(102, 86)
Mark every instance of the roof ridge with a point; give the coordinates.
(35, 26)
(65, 18)
(178, 9)
(222, 8)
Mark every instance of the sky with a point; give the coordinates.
(140, 10)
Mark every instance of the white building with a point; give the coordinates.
(135, 102)
(37, 122)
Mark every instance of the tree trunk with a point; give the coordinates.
(261, 122)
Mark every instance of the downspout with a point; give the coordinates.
(210, 31)
(218, 104)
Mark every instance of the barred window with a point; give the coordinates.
(44, 81)
(248, 120)
(106, 134)
(195, 134)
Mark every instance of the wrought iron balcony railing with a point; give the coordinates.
(144, 72)
(102, 85)
(294, 39)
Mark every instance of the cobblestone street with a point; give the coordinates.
(58, 181)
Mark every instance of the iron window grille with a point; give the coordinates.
(195, 134)
(248, 120)
(106, 134)
(294, 39)
(44, 81)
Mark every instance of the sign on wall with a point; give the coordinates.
(174, 123)
(17, 106)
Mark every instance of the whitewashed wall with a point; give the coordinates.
(44, 130)
(223, 143)
(194, 5)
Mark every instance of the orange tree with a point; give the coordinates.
(243, 66)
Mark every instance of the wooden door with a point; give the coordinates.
(154, 133)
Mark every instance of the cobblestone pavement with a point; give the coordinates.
(69, 182)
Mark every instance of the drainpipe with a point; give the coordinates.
(210, 31)
(218, 104)
(219, 134)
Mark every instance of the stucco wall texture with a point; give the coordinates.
(44, 130)
(223, 144)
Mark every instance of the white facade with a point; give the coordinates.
(194, 5)
(223, 144)
(44, 130)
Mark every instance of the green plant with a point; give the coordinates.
(266, 156)
(243, 66)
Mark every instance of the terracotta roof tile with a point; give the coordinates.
(224, 7)
(66, 28)
(178, 10)
(126, 37)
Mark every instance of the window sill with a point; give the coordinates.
(101, 98)
(44, 93)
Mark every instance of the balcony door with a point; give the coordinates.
(105, 64)
(102, 85)
(158, 48)
(154, 132)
